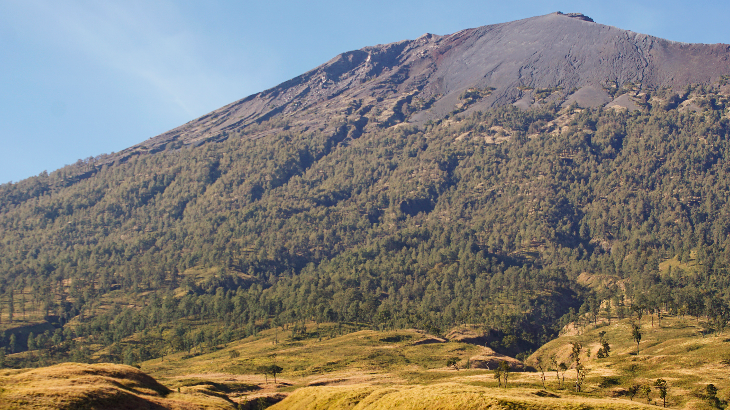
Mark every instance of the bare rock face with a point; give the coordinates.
(538, 60)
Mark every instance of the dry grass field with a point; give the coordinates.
(329, 368)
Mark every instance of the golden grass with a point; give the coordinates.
(367, 369)
(372, 369)
(92, 386)
(675, 351)
(442, 396)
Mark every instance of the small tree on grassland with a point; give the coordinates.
(275, 369)
(501, 373)
(575, 356)
(646, 390)
(604, 351)
(636, 335)
(271, 369)
(563, 368)
(634, 390)
(662, 386)
(541, 366)
(453, 362)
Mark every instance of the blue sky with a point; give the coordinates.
(82, 78)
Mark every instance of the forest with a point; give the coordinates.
(491, 218)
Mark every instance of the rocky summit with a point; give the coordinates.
(569, 57)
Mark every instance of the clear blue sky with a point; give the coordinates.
(82, 78)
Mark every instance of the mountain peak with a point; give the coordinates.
(554, 58)
(579, 16)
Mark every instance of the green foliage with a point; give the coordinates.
(393, 228)
(646, 390)
(633, 390)
(501, 373)
(663, 388)
(605, 348)
(636, 335)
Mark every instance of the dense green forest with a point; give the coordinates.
(405, 226)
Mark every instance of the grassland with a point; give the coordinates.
(328, 367)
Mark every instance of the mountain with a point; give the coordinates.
(536, 60)
(516, 176)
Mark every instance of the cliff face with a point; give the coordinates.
(556, 57)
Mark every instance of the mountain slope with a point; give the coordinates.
(422, 79)
(342, 212)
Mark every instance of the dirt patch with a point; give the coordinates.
(471, 336)
(260, 401)
(429, 340)
(489, 359)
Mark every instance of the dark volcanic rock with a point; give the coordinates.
(579, 16)
(553, 55)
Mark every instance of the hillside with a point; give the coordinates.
(487, 218)
(333, 367)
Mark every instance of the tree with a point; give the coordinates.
(636, 335)
(12, 342)
(501, 373)
(634, 390)
(130, 358)
(563, 368)
(575, 356)
(662, 386)
(603, 351)
(646, 390)
(580, 378)
(711, 395)
(265, 371)
(541, 366)
(554, 363)
(11, 306)
(453, 362)
(274, 370)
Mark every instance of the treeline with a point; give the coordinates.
(398, 227)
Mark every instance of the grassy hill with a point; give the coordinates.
(677, 349)
(370, 369)
(346, 367)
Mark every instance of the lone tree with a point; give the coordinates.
(634, 390)
(265, 371)
(541, 366)
(603, 351)
(575, 356)
(274, 369)
(636, 334)
(453, 362)
(554, 363)
(662, 386)
(711, 395)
